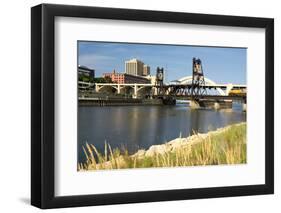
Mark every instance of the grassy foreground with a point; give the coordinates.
(223, 146)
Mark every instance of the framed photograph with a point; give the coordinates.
(139, 106)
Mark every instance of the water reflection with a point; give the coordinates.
(137, 127)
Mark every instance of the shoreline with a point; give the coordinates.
(177, 143)
(173, 147)
(124, 102)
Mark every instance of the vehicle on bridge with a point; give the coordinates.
(238, 92)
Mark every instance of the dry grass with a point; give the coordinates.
(226, 147)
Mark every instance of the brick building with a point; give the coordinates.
(122, 78)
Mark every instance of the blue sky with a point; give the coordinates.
(222, 65)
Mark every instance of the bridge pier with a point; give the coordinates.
(194, 104)
(215, 104)
(135, 91)
(118, 89)
(97, 88)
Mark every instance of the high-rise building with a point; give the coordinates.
(146, 70)
(134, 67)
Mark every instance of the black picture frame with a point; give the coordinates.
(43, 102)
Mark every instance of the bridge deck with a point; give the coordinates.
(166, 85)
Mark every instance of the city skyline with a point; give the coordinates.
(220, 64)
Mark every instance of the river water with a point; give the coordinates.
(135, 127)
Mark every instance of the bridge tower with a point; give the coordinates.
(160, 80)
(198, 82)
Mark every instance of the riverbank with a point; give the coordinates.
(225, 145)
(119, 102)
(124, 102)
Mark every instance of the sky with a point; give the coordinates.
(220, 64)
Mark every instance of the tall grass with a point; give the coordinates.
(225, 147)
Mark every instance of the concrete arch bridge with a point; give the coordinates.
(136, 90)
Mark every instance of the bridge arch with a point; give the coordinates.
(107, 88)
(127, 89)
(144, 90)
(188, 79)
